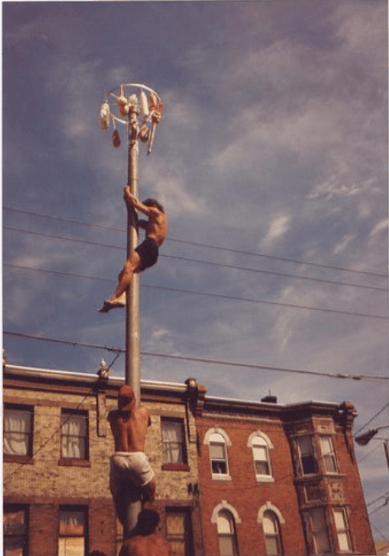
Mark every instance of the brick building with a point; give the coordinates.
(233, 477)
(57, 445)
(280, 479)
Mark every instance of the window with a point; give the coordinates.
(261, 456)
(74, 434)
(227, 534)
(306, 457)
(271, 531)
(218, 452)
(328, 455)
(342, 530)
(18, 430)
(179, 531)
(173, 441)
(317, 531)
(15, 531)
(72, 532)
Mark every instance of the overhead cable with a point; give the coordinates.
(197, 244)
(193, 292)
(202, 360)
(268, 272)
(372, 418)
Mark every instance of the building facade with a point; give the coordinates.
(57, 446)
(233, 478)
(280, 479)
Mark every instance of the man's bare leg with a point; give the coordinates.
(118, 299)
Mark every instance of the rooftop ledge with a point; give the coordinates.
(178, 387)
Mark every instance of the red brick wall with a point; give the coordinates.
(43, 530)
(244, 493)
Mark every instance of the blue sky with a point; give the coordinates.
(271, 153)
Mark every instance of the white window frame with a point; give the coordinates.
(218, 437)
(260, 439)
(225, 508)
(300, 454)
(276, 536)
(343, 531)
(269, 507)
(316, 533)
(328, 456)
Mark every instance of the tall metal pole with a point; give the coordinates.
(151, 112)
(132, 371)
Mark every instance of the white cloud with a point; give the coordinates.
(380, 227)
(277, 228)
(344, 242)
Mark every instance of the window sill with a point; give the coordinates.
(220, 477)
(175, 467)
(13, 458)
(264, 479)
(73, 462)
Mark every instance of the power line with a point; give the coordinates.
(201, 360)
(378, 498)
(197, 244)
(370, 420)
(193, 292)
(268, 272)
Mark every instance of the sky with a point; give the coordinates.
(271, 162)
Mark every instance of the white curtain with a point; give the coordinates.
(17, 428)
(73, 436)
(172, 442)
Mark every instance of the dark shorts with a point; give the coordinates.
(148, 252)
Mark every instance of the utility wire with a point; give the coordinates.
(268, 272)
(201, 360)
(193, 292)
(197, 244)
(380, 507)
(370, 420)
(369, 453)
(378, 498)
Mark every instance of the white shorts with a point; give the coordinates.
(130, 466)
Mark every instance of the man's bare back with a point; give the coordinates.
(131, 474)
(156, 226)
(129, 429)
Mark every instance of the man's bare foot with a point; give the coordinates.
(108, 305)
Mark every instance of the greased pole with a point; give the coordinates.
(130, 107)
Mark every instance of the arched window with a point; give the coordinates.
(218, 441)
(260, 444)
(226, 530)
(272, 534)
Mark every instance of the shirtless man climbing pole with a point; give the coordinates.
(131, 476)
(146, 254)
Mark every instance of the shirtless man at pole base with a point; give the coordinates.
(131, 476)
(143, 540)
(146, 254)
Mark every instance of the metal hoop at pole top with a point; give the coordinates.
(133, 98)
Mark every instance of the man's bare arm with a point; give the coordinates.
(132, 200)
